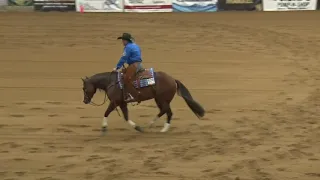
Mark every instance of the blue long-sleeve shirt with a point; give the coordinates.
(131, 54)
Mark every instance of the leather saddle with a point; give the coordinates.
(144, 74)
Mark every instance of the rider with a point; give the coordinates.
(132, 56)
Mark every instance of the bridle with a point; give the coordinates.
(104, 101)
(105, 96)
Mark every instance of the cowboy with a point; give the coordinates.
(132, 56)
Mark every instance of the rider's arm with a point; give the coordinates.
(124, 58)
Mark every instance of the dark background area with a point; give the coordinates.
(62, 5)
(238, 5)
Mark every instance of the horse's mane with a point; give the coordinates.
(100, 75)
(101, 80)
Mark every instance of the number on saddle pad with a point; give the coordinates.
(144, 79)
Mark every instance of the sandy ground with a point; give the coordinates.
(256, 74)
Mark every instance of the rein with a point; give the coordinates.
(105, 98)
(105, 95)
(104, 101)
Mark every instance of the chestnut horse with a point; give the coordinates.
(152, 85)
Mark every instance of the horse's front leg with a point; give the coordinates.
(124, 109)
(110, 108)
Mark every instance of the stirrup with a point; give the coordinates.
(129, 98)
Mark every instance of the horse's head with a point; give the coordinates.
(89, 90)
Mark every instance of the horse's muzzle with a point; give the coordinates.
(86, 101)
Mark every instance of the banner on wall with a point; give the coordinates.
(148, 5)
(194, 5)
(54, 5)
(99, 5)
(20, 2)
(289, 5)
(237, 5)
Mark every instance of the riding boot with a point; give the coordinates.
(133, 93)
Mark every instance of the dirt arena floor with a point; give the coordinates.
(256, 74)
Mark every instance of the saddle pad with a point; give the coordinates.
(140, 83)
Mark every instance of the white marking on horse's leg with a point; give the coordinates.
(153, 121)
(133, 124)
(166, 127)
(105, 122)
(177, 90)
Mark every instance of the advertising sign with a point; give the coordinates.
(289, 5)
(99, 5)
(54, 5)
(147, 5)
(20, 2)
(194, 5)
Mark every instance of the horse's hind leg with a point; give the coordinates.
(125, 112)
(165, 108)
(169, 113)
(163, 98)
(167, 124)
(161, 113)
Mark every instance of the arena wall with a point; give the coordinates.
(3, 3)
(147, 6)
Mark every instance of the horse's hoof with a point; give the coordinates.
(138, 128)
(104, 130)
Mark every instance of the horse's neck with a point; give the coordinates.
(103, 82)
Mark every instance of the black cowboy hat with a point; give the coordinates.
(126, 36)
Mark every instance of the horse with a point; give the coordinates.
(152, 85)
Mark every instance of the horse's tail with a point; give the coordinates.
(196, 108)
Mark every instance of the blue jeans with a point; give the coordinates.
(139, 67)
